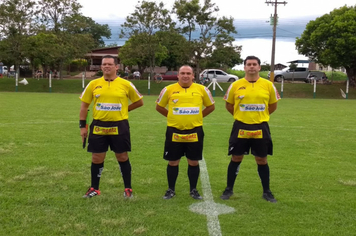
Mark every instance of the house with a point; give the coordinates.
(279, 66)
(96, 55)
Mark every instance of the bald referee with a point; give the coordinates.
(184, 104)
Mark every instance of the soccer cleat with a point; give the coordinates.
(91, 193)
(169, 194)
(195, 194)
(128, 193)
(268, 196)
(227, 194)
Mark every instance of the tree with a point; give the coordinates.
(79, 24)
(144, 22)
(213, 32)
(265, 66)
(187, 12)
(42, 49)
(177, 47)
(331, 40)
(224, 54)
(76, 34)
(134, 52)
(16, 17)
(54, 12)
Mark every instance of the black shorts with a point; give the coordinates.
(256, 137)
(187, 143)
(115, 134)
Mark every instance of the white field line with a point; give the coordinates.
(213, 219)
(209, 207)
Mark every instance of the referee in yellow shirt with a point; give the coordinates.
(110, 126)
(187, 103)
(251, 100)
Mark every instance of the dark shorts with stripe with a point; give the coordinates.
(118, 143)
(260, 147)
(175, 150)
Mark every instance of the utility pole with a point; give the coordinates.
(275, 4)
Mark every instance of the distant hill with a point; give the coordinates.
(287, 29)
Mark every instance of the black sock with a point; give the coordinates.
(263, 172)
(96, 170)
(193, 175)
(232, 171)
(125, 168)
(172, 175)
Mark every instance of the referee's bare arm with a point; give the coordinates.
(83, 116)
(208, 110)
(272, 107)
(229, 107)
(135, 105)
(162, 110)
(83, 111)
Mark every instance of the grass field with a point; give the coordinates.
(45, 172)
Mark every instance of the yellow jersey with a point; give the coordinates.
(251, 100)
(185, 105)
(111, 98)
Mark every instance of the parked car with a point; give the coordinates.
(219, 75)
(299, 74)
(170, 75)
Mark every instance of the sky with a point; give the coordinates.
(244, 12)
(238, 9)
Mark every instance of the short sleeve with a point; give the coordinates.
(134, 94)
(87, 94)
(162, 99)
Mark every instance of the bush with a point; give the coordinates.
(336, 75)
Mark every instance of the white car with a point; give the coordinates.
(219, 75)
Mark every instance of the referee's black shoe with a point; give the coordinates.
(195, 194)
(227, 194)
(268, 196)
(169, 194)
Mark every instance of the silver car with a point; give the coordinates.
(219, 75)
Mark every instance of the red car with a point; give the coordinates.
(170, 75)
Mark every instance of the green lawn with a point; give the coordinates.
(45, 172)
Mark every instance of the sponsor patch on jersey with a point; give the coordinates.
(108, 106)
(250, 134)
(252, 107)
(185, 138)
(105, 130)
(186, 110)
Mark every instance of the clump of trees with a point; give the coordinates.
(155, 39)
(50, 33)
(331, 40)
